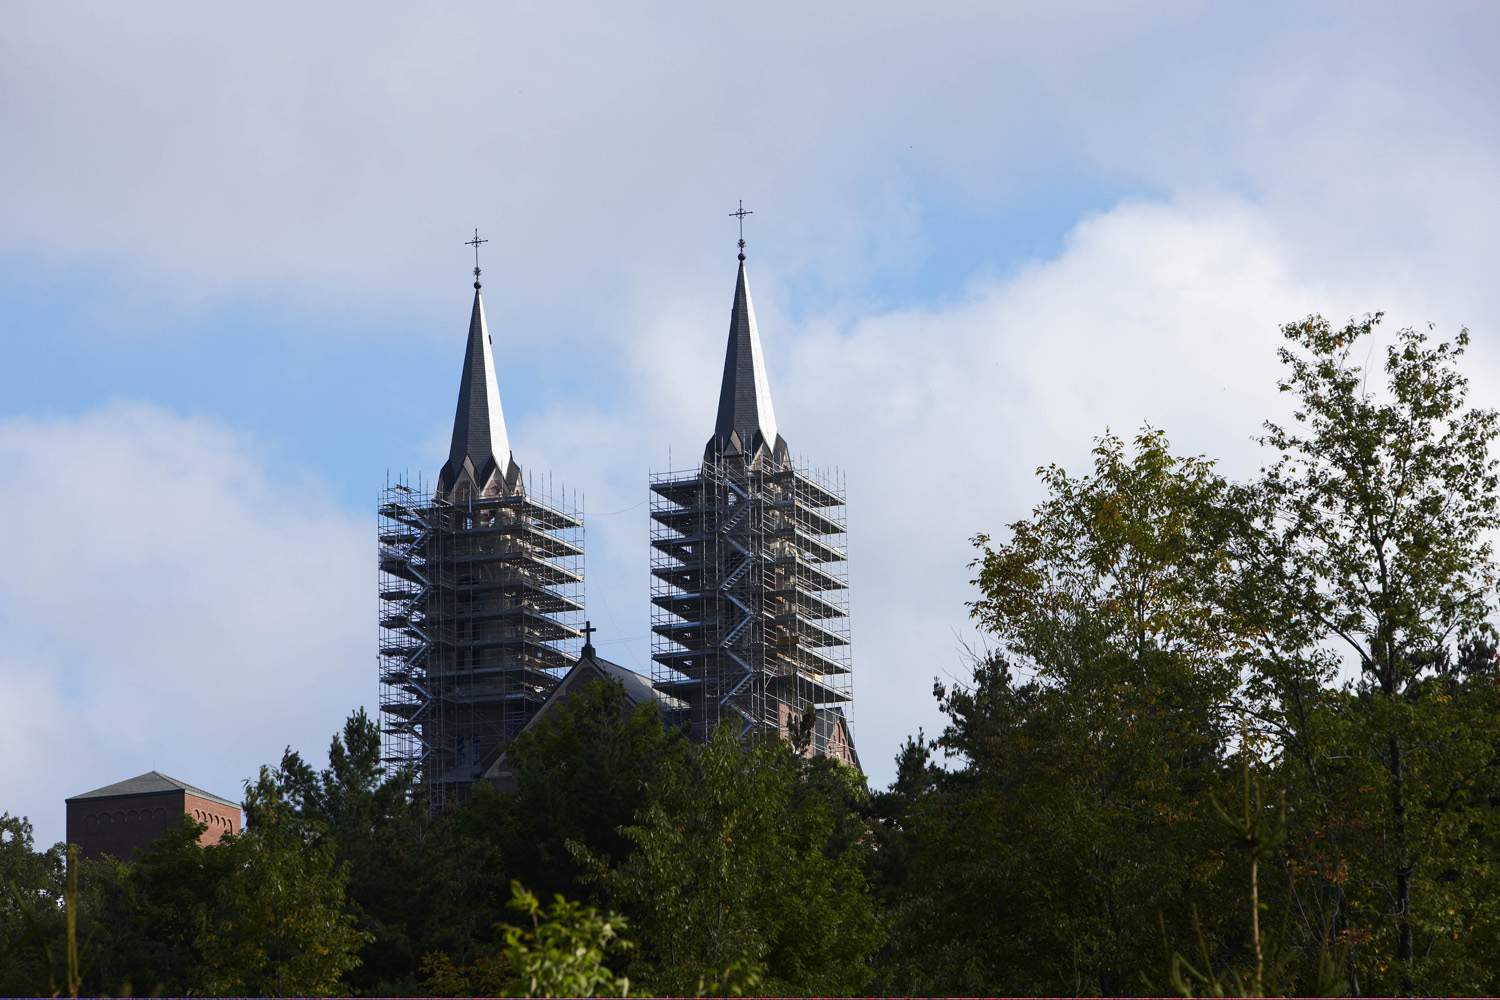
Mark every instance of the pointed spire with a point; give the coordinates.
(480, 451)
(746, 422)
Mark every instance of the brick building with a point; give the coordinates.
(122, 818)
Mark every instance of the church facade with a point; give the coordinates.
(481, 586)
(750, 619)
(481, 594)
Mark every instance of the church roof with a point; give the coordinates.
(747, 418)
(588, 667)
(480, 443)
(638, 688)
(150, 783)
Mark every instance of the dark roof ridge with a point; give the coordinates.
(150, 783)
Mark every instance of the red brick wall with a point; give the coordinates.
(124, 824)
(221, 819)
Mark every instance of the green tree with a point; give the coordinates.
(142, 921)
(583, 772)
(1087, 745)
(559, 951)
(409, 880)
(1375, 544)
(31, 890)
(279, 923)
(749, 859)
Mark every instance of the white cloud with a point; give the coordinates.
(335, 151)
(169, 603)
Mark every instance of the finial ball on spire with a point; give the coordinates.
(740, 215)
(475, 244)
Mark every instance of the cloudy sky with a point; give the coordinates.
(234, 292)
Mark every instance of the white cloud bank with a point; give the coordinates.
(335, 152)
(169, 603)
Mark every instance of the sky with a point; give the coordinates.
(234, 292)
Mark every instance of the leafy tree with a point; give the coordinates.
(1077, 816)
(31, 890)
(1375, 544)
(409, 880)
(583, 772)
(142, 922)
(1272, 969)
(558, 952)
(747, 860)
(279, 924)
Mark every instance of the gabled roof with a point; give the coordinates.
(480, 445)
(746, 421)
(638, 688)
(151, 783)
(589, 666)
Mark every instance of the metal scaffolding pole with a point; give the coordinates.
(749, 595)
(481, 599)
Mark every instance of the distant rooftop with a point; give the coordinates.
(150, 783)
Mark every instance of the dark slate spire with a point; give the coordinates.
(747, 419)
(480, 451)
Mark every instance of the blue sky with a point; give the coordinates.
(234, 290)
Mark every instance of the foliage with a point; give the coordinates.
(749, 861)
(1149, 611)
(31, 892)
(1042, 862)
(404, 875)
(1374, 542)
(559, 951)
(581, 777)
(278, 922)
(562, 952)
(1259, 832)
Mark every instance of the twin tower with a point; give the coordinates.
(481, 586)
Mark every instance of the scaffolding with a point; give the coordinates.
(480, 605)
(749, 596)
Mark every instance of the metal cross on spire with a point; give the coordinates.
(588, 637)
(475, 244)
(740, 215)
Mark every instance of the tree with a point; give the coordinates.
(749, 859)
(583, 772)
(408, 880)
(31, 889)
(559, 951)
(279, 923)
(1375, 541)
(142, 921)
(1086, 745)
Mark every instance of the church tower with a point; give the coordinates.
(481, 593)
(749, 572)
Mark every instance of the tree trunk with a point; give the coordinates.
(1403, 865)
